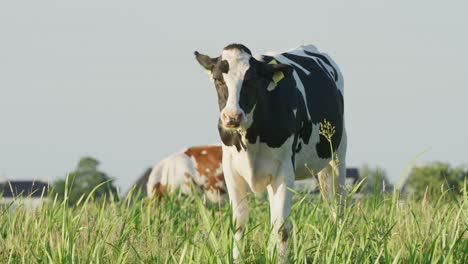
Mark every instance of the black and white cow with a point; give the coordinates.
(272, 107)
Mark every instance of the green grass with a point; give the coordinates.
(376, 229)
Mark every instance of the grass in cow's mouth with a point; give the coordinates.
(375, 229)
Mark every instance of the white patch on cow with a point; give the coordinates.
(219, 170)
(238, 64)
(215, 196)
(179, 171)
(309, 157)
(260, 164)
(285, 60)
(199, 179)
(248, 120)
(301, 89)
(170, 172)
(207, 170)
(311, 48)
(204, 152)
(220, 185)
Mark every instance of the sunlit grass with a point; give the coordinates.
(380, 228)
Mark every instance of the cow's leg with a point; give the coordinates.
(237, 190)
(280, 206)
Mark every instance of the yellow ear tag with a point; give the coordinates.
(277, 76)
(210, 74)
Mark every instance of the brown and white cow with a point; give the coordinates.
(195, 168)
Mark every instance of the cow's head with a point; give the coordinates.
(237, 77)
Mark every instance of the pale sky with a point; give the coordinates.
(118, 81)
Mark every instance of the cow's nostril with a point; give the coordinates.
(236, 118)
(232, 119)
(224, 116)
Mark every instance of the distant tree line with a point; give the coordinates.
(374, 179)
(431, 179)
(86, 180)
(434, 178)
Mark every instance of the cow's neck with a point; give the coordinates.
(274, 120)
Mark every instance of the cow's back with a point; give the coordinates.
(328, 63)
(170, 174)
(198, 168)
(209, 175)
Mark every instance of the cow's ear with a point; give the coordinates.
(284, 68)
(205, 61)
(267, 70)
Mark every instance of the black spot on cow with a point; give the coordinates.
(324, 100)
(248, 92)
(299, 147)
(274, 120)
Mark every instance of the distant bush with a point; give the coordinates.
(83, 180)
(376, 180)
(435, 177)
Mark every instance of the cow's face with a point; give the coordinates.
(238, 77)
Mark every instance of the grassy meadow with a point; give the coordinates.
(375, 229)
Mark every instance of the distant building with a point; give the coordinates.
(31, 194)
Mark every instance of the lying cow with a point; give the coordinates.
(196, 168)
(278, 112)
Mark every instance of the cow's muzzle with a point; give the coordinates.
(232, 119)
